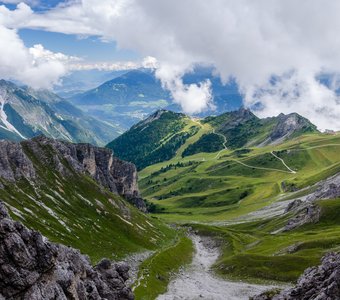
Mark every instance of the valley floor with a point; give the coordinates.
(239, 198)
(197, 280)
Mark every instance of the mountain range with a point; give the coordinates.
(165, 134)
(25, 113)
(258, 197)
(131, 97)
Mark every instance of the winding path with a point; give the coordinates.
(290, 171)
(283, 162)
(198, 282)
(224, 143)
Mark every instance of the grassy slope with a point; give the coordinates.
(214, 189)
(250, 250)
(155, 139)
(219, 188)
(75, 211)
(157, 271)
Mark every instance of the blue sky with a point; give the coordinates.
(92, 49)
(250, 41)
(36, 5)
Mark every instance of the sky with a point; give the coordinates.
(275, 50)
(90, 49)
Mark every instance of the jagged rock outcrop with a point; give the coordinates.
(307, 210)
(317, 283)
(14, 163)
(33, 268)
(289, 124)
(236, 118)
(118, 176)
(327, 189)
(305, 213)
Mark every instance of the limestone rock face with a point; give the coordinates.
(33, 268)
(289, 124)
(118, 176)
(306, 212)
(327, 189)
(318, 283)
(14, 163)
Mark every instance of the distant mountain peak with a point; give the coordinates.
(26, 112)
(290, 124)
(157, 115)
(4, 84)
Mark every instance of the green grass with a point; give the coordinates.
(251, 252)
(217, 189)
(74, 210)
(157, 271)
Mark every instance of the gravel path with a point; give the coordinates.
(198, 282)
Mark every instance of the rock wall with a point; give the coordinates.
(32, 268)
(118, 176)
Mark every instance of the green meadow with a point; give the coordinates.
(218, 193)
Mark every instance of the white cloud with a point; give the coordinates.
(104, 66)
(39, 53)
(295, 92)
(15, 18)
(248, 40)
(36, 66)
(17, 62)
(150, 62)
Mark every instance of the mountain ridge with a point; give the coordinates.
(233, 130)
(26, 113)
(131, 97)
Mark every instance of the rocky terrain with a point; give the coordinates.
(33, 268)
(304, 213)
(319, 283)
(120, 177)
(305, 210)
(197, 281)
(327, 189)
(287, 125)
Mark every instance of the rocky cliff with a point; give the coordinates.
(288, 125)
(33, 268)
(319, 283)
(17, 161)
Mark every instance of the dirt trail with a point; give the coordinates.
(283, 162)
(198, 282)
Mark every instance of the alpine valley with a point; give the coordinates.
(214, 207)
(169, 150)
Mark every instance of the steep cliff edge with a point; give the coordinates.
(33, 268)
(120, 177)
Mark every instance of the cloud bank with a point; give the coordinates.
(34, 66)
(275, 50)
